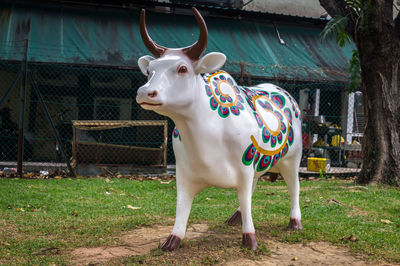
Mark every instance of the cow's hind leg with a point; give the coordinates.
(290, 171)
(249, 236)
(236, 218)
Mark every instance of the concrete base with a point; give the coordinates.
(92, 170)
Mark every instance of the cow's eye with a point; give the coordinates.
(182, 69)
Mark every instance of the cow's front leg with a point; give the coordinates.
(249, 236)
(185, 195)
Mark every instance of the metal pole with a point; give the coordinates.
(46, 112)
(22, 112)
(165, 142)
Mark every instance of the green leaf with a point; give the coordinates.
(336, 28)
(354, 72)
(355, 5)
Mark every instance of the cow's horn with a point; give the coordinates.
(154, 48)
(195, 50)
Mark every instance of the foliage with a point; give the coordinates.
(69, 213)
(355, 6)
(354, 71)
(336, 28)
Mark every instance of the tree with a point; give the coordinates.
(376, 32)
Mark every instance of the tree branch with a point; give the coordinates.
(334, 7)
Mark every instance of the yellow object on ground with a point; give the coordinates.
(319, 143)
(316, 164)
(335, 140)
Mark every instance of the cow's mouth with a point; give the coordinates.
(149, 105)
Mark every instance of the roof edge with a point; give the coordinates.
(177, 8)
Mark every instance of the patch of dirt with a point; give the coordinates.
(313, 253)
(10, 231)
(357, 212)
(137, 242)
(201, 246)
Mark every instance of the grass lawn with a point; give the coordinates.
(69, 213)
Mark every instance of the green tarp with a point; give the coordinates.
(99, 37)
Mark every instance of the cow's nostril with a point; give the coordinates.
(152, 94)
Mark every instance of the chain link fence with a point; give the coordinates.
(94, 111)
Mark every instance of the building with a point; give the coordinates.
(82, 56)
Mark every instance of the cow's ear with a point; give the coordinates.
(144, 62)
(210, 63)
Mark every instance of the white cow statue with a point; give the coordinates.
(226, 135)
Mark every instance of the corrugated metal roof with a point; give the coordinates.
(112, 38)
(217, 8)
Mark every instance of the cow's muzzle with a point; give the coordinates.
(148, 98)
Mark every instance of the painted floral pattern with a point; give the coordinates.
(279, 139)
(176, 134)
(227, 98)
(224, 94)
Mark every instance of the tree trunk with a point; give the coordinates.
(377, 36)
(379, 48)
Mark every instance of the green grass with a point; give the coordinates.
(70, 213)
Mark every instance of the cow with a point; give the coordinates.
(226, 135)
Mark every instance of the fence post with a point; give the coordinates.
(22, 112)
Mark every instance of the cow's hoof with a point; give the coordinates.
(273, 177)
(295, 224)
(249, 241)
(235, 219)
(173, 242)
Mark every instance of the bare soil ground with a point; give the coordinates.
(202, 246)
(137, 242)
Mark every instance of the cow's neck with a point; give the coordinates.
(193, 123)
